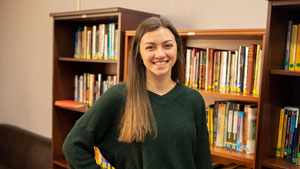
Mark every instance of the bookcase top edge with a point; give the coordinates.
(101, 11)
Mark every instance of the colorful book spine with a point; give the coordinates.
(76, 88)
(251, 68)
(223, 67)
(239, 143)
(251, 130)
(187, 66)
(230, 125)
(285, 119)
(297, 57)
(232, 73)
(77, 47)
(280, 128)
(94, 40)
(228, 72)
(91, 89)
(207, 69)
(293, 47)
(245, 79)
(288, 45)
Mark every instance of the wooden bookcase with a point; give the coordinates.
(228, 39)
(279, 87)
(65, 66)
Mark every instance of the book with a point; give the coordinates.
(70, 104)
(228, 72)
(76, 88)
(223, 68)
(287, 134)
(251, 129)
(240, 133)
(251, 68)
(232, 73)
(288, 45)
(236, 66)
(297, 57)
(207, 68)
(230, 125)
(279, 137)
(94, 40)
(211, 68)
(285, 117)
(295, 138)
(240, 71)
(293, 47)
(216, 70)
(246, 69)
(187, 66)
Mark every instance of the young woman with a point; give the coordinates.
(151, 121)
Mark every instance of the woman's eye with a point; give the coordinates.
(149, 47)
(168, 45)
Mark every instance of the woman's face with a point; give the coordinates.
(158, 50)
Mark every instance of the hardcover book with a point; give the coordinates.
(70, 104)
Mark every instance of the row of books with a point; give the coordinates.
(223, 70)
(89, 87)
(97, 42)
(100, 160)
(288, 144)
(232, 125)
(292, 52)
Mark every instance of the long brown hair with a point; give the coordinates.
(138, 118)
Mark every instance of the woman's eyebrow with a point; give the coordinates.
(151, 43)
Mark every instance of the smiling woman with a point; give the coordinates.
(151, 121)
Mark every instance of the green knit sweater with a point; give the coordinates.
(181, 142)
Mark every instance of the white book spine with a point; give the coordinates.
(223, 66)
(187, 66)
(76, 89)
(94, 38)
(246, 69)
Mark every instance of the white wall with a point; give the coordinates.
(26, 45)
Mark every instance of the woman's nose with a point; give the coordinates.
(160, 52)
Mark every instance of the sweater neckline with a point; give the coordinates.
(165, 98)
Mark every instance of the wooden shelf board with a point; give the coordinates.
(232, 96)
(233, 155)
(284, 72)
(61, 162)
(216, 32)
(68, 59)
(279, 163)
(82, 110)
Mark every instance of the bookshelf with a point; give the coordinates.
(65, 66)
(228, 39)
(279, 87)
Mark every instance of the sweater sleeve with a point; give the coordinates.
(78, 146)
(202, 153)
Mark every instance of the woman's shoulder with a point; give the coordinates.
(192, 95)
(115, 92)
(190, 91)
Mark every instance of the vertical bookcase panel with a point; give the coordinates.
(65, 66)
(279, 87)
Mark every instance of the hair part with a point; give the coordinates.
(138, 119)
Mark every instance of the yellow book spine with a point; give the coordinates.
(256, 69)
(297, 58)
(97, 155)
(278, 150)
(293, 47)
(211, 127)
